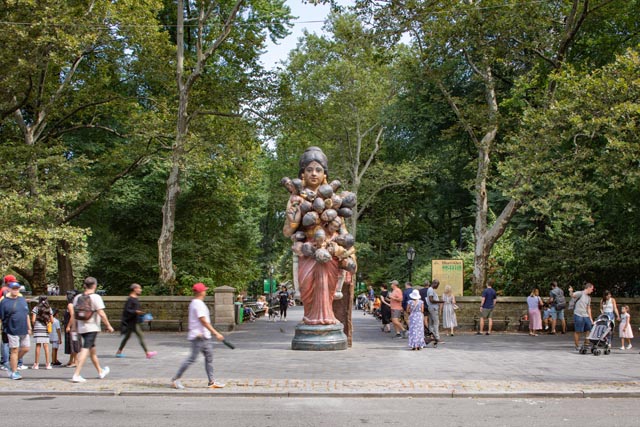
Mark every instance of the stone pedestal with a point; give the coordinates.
(224, 314)
(319, 337)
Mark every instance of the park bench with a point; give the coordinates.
(158, 323)
(258, 311)
(498, 323)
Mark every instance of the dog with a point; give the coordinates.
(273, 314)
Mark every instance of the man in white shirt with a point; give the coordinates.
(433, 309)
(88, 329)
(200, 332)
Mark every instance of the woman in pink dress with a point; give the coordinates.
(321, 241)
(535, 320)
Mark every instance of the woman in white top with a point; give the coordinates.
(609, 307)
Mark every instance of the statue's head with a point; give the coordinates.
(313, 154)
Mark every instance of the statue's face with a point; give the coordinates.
(313, 174)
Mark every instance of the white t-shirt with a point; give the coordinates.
(198, 309)
(432, 292)
(93, 324)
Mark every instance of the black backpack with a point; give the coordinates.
(83, 309)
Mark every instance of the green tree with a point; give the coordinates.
(214, 40)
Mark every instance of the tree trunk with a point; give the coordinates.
(167, 274)
(39, 277)
(65, 269)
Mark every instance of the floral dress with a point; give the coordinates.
(416, 324)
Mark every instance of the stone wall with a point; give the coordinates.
(162, 308)
(511, 309)
(176, 308)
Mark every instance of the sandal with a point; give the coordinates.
(35, 366)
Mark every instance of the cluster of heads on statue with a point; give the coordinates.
(323, 233)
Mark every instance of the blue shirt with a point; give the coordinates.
(14, 320)
(405, 297)
(490, 296)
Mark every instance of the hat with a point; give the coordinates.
(394, 282)
(9, 278)
(414, 294)
(14, 285)
(199, 287)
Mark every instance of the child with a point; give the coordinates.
(55, 337)
(625, 327)
(40, 318)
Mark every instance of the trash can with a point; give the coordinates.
(239, 309)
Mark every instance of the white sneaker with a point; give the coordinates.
(78, 379)
(22, 368)
(177, 385)
(622, 348)
(105, 372)
(629, 347)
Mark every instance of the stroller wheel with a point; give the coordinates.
(607, 351)
(583, 351)
(597, 352)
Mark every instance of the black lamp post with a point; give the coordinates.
(411, 255)
(271, 270)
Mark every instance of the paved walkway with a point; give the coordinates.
(377, 365)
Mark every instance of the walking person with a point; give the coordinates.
(14, 312)
(41, 317)
(396, 309)
(71, 339)
(88, 310)
(449, 319)
(626, 333)
(283, 299)
(534, 303)
(415, 308)
(200, 333)
(385, 308)
(433, 308)
(582, 317)
(129, 322)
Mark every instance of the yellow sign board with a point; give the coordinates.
(449, 272)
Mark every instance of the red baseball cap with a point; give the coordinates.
(199, 287)
(9, 278)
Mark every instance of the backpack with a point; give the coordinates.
(561, 303)
(83, 309)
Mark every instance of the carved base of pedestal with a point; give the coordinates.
(319, 337)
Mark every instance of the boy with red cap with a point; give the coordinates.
(200, 332)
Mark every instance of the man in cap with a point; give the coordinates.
(200, 332)
(14, 312)
(433, 310)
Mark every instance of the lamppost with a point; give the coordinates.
(411, 255)
(271, 271)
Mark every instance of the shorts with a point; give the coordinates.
(89, 339)
(582, 324)
(41, 340)
(21, 341)
(486, 313)
(557, 314)
(55, 344)
(396, 314)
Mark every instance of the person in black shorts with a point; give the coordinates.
(283, 298)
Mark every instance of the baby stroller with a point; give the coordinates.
(599, 337)
(362, 302)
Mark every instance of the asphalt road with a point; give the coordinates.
(135, 411)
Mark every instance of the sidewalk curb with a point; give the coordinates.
(591, 394)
